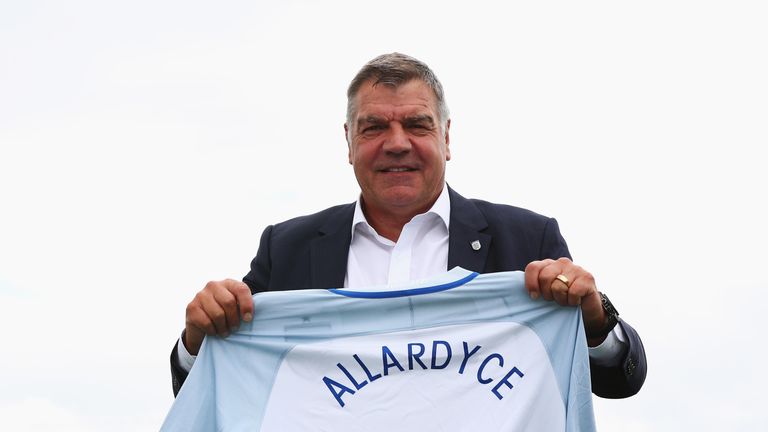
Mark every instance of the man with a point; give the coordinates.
(408, 224)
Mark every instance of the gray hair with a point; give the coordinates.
(394, 70)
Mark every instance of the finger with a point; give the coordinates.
(546, 278)
(584, 291)
(243, 297)
(216, 314)
(197, 318)
(573, 297)
(580, 287)
(563, 282)
(228, 304)
(580, 282)
(532, 271)
(560, 291)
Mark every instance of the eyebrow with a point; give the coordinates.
(371, 119)
(418, 118)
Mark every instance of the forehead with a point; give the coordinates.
(413, 97)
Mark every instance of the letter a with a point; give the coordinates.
(344, 389)
(387, 353)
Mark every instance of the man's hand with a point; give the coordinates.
(217, 310)
(541, 280)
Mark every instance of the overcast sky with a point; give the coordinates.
(145, 145)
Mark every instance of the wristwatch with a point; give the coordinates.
(611, 319)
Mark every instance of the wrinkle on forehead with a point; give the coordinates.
(416, 102)
(378, 111)
(413, 118)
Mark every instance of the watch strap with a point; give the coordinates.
(611, 318)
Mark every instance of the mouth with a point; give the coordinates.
(397, 169)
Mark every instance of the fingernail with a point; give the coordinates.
(225, 334)
(248, 317)
(534, 295)
(233, 329)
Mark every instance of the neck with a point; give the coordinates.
(389, 223)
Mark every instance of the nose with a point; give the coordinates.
(397, 140)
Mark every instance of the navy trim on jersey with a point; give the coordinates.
(407, 292)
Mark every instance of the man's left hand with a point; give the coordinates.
(568, 284)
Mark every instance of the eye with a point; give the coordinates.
(419, 128)
(373, 129)
(418, 124)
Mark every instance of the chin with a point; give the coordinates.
(398, 200)
(403, 199)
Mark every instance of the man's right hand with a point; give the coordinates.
(216, 310)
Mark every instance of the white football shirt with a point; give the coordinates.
(460, 352)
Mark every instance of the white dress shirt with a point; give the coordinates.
(420, 252)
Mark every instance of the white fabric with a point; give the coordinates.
(608, 352)
(186, 360)
(420, 252)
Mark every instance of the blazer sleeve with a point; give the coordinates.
(552, 242)
(625, 378)
(178, 375)
(261, 267)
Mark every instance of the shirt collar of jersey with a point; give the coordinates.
(441, 208)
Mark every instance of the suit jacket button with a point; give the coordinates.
(630, 367)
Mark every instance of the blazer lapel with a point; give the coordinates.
(467, 246)
(329, 251)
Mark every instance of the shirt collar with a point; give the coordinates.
(441, 208)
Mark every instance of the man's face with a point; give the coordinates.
(397, 147)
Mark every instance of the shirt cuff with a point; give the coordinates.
(611, 351)
(186, 360)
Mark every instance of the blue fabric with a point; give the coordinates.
(230, 384)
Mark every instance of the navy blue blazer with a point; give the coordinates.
(311, 252)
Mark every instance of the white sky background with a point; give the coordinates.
(144, 146)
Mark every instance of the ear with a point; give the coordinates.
(349, 146)
(447, 140)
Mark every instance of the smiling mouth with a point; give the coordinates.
(398, 170)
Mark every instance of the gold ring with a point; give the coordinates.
(563, 279)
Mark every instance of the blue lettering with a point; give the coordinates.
(344, 389)
(417, 356)
(506, 382)
(372, 378)
(357, 385)
(434, 354)
(482, 366)
(467, 355)
(385, 352)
